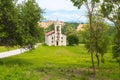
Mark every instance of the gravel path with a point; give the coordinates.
(12, 52)
(15, 52)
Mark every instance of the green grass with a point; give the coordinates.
(3, 48)
(57, 63)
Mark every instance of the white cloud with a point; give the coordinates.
(56, 4)
(66, 17)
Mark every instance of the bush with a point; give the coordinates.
(73, 40)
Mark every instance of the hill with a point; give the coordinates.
(50, 22)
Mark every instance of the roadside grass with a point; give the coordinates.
(57, 63)
(3, 48)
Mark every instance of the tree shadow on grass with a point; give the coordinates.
(15, 61)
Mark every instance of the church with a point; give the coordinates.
(55, 37)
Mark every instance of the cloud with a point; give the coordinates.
(66, 16)
(56, 4)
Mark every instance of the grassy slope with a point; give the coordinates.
(56, 63)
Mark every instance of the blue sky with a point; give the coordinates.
(62, 10)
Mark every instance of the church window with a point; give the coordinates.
(52, 37)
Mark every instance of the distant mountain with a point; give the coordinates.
(76, 22)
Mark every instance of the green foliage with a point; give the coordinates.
(82, 34)
(18, 23)
(111, 10)
(51, 27)
(70, 31)
(111, 34)
(73, 40)
(116, 53)
(100, 40)
(41, 34)
(8, 23)
(69, 25)
(111, 30)
(90, 6)
(28, 32)
(72, 36)
(79, 3)
(108, 8)
(116, 48)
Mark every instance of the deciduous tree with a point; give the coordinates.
(100, 38)
(8, 23)
(90, 6)
(111, 10)
(29, 14)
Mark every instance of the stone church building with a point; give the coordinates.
(55, 37)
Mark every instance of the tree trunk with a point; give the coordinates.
(96, 47)
(91, 46)
(98, 60)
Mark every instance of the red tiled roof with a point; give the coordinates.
(49, 33)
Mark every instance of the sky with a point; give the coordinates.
(62, 10)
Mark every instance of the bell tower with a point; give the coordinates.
(57, 28)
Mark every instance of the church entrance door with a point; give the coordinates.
(57, 43)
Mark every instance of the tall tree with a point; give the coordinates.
(8, 23)
(111, 10)
(100, 38)
(29, 14)
(90, 6)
